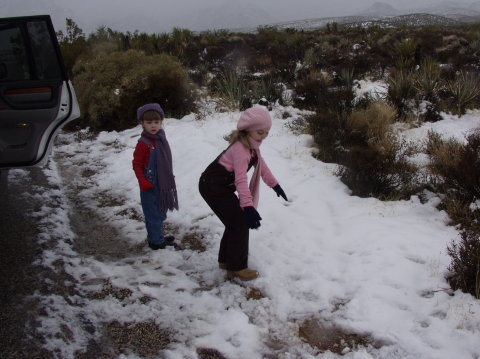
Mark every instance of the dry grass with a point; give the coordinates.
(329, 337)
(146, 339)
(207, 353)
(376, 163)
(443, 153)
(373, 122)
(109, 290)
(254, 294)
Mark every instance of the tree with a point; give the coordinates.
(72, 45)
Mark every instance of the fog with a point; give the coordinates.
(153, 16)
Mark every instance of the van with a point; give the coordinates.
(36, 97)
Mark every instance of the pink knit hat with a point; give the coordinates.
(254, 118)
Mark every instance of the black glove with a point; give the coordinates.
(279, 191)
(252, 217)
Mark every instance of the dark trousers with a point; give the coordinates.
(218, 190)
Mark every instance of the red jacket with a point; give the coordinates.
(141, 156)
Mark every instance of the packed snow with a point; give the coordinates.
(371, 268)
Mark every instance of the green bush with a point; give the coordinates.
(464, 90)
(428, 80)
(266, 87)
(401, 90)
(111, 86)
(405, 54)
(72, 44)
(231, 87)
(428, 83)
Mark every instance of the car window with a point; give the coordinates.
(13, 55)
(46, 62)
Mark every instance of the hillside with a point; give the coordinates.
(369, 273)
(382, 21)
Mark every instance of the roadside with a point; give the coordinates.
(104, 295)
(45, 224)
(20, 275)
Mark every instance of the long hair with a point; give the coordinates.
(241, 136)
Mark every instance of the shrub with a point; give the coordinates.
(465, 265)
(401, 90)
(370, 124)
(376, 162)
(428, 80)
(284, 49)
(320, 90)
(312, 88)
(328, 130)
(334, 101)
(456, 166)
(72, 44)
(344, 92)
(230, 86)
(111, 86)
(266, 87)
(463, 91)
(428, 84)
(405, 54)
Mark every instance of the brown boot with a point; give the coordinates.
(244, 274)
(222, 265)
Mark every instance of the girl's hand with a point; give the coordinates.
(252, 217)
(279, 191)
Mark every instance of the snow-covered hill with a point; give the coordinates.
(386, 15)
(372, 270)
(382, 21)
(153, 17)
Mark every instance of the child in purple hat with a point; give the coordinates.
(227, 174)
(152, 164)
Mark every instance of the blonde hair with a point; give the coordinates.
(239, 135)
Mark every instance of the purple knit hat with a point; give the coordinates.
(149, 107)
(254, 118)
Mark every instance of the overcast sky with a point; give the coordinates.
(155, 16)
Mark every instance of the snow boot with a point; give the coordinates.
(168, 241)
(244, 274)
(222, 265)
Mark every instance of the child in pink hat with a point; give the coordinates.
(226, 175)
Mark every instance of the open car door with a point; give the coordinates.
(36, 97)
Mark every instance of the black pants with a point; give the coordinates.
(218, 190)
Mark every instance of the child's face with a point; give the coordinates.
(152, 126)
(259, 135)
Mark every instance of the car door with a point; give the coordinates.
(36, 97)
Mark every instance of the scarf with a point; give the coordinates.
(166, 181)
(254, 185)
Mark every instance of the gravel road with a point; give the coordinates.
(20, 277)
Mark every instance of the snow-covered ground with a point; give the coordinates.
(371, 268)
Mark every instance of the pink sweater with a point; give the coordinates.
(236, 159)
